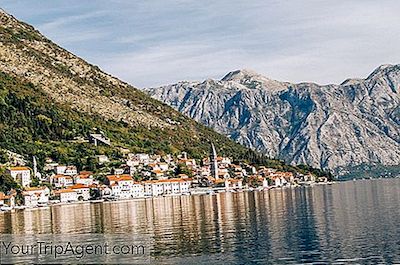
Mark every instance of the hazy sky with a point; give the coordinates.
(154, 42)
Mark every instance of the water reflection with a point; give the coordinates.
(351, 221)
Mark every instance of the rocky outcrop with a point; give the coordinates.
(331, 126)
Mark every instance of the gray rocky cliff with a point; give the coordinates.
(330, 126)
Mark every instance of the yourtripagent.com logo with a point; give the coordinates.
(87, 248)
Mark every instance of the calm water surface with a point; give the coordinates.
(351, 222)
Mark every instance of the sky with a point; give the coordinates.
(155, 42)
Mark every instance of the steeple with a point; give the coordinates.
(34, 167)
(213, 162)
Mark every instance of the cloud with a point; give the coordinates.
(149, 43)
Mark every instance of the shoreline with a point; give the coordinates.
(194, 192)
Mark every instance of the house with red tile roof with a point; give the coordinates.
(66, 195)
(34, 196)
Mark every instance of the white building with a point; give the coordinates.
(60, 169)
(66, 195)
(82, 191)
(122, 186)
(167, 186)
(21, 175)
(119, 171)
(137, 190)
(265, 183)
(84, 178)
(60, 181)
(280, 181)
(163, 166)
(71, 171)
(7, 200)
(102, 159)
(35, 196)
(231, 184)
(142, 158)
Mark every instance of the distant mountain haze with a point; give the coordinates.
(337, 127)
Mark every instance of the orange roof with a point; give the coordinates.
(219, 181)
(85, 173)
(59, 176)
(79, 186)
(34, 188)
(157, 171)
(170, 180)
(64, 191)
(119, 177)
(149, 181)
(5, 197)
(19, 168)
(166, 180)
(84, 176)
(235, 180)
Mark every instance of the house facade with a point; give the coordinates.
(66, 195)
(35, 196)
(22, 175)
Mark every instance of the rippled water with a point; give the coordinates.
(351, 222)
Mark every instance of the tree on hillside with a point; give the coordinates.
(3, 157)
(7, 183)
(183, 169)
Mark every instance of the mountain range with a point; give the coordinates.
(350, 128)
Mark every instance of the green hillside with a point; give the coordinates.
(32, 124)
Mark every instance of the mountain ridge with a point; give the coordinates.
(300, 122)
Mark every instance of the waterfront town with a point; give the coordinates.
(142, 176)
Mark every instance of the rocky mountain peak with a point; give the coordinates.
(253, 80)
(241, 74)
(383, 69)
